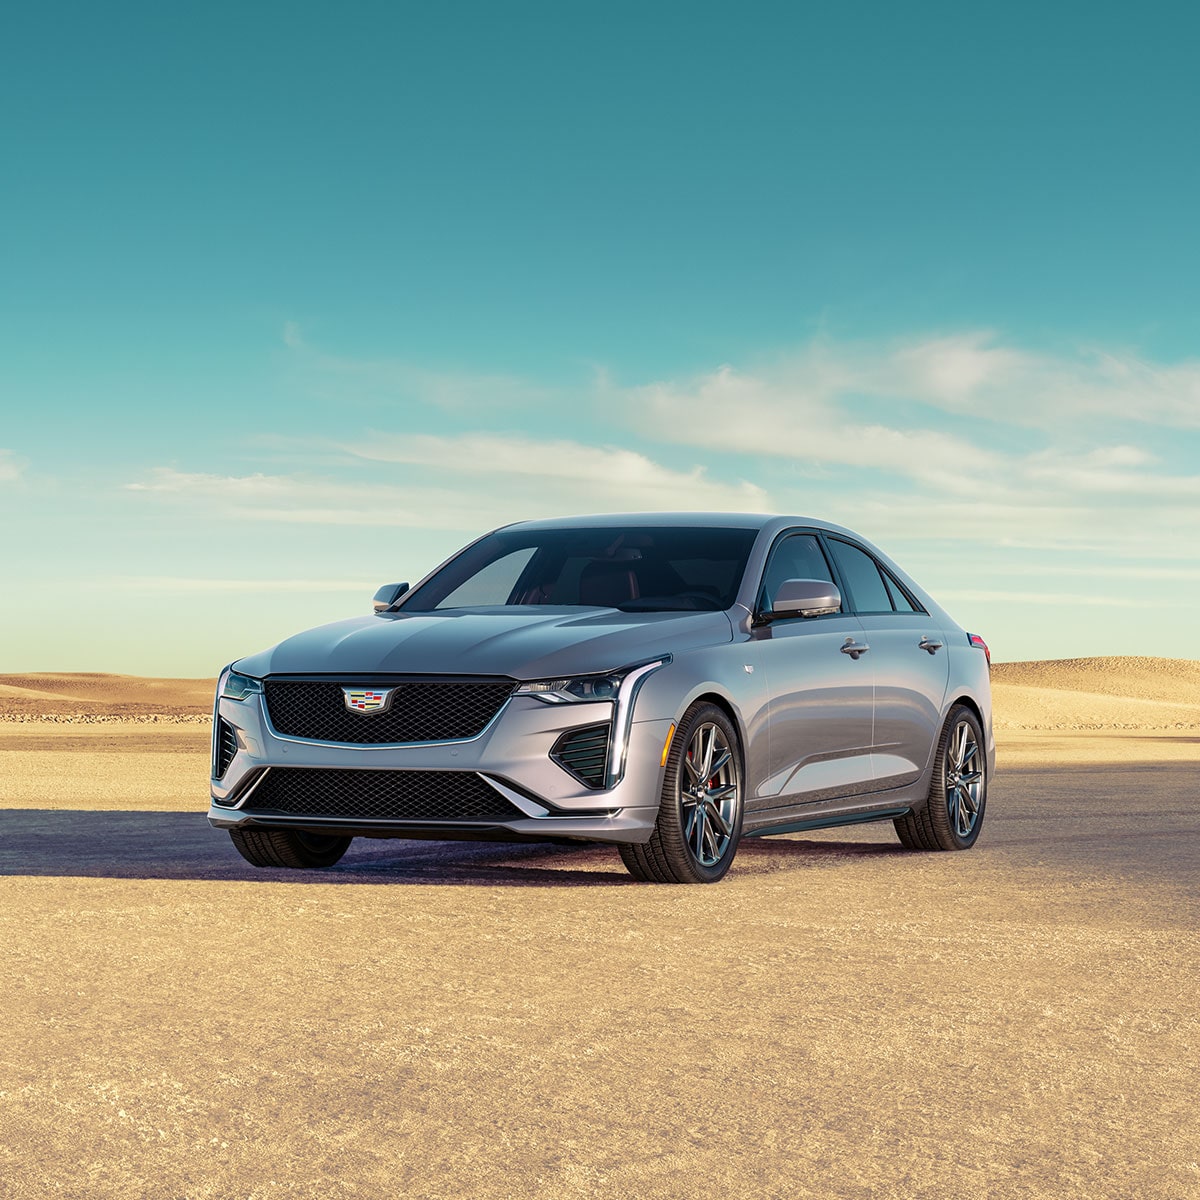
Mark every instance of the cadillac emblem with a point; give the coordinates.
(368, 700)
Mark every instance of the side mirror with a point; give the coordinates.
(805, 598)
(388, 595)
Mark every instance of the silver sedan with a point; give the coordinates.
(667, 683)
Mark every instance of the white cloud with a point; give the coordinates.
(621, 477)
(970, 372)
(254, 487)
(781, 416)
(1117, 386)
(946, 370)
(467, 483)
(1111, 470)
(11, 467)
(956, 437)
(300, 499)
(880, 437)
(1106, 528)
(967, 373)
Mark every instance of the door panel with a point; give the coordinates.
(820, 711)
(910, 688)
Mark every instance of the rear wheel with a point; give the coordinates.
(951, 816)
(700, 813)
(288, 847)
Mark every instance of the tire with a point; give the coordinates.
(294, 848)
(694, 842)
(951, 816)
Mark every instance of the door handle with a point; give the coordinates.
(854, 649)
(932, 647)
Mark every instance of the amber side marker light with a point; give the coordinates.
(662, 762)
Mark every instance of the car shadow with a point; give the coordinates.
(182, 845)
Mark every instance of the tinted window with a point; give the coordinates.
(493, 584)
(900, 600)
(862, 577)
(797, 557)
(635, 569)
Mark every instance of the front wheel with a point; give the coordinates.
(700, 812)
(288, 847)
(951, 816)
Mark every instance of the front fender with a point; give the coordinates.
(727, 674)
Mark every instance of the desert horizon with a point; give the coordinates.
(1099, 692)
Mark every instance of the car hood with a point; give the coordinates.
(524, 643)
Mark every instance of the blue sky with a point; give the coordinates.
(295, 299)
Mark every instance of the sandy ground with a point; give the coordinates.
(838, 1018)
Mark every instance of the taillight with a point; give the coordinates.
(980, 644)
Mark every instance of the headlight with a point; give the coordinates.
(239, 687)
(567, 691)
(621, 687)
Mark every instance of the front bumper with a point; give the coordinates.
(624, 825)
(512, 755)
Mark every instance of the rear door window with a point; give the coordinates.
(862, 576)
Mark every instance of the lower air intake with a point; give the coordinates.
(224, 747)
(381, 795)
(584, 754)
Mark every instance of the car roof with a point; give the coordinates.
(768, 526)
(685, 520)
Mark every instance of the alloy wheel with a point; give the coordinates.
(709, 795)
(964, 780)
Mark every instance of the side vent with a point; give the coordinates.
(224, 747)
(583, 753)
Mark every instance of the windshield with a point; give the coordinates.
(636, 569)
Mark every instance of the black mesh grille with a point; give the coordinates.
(420, 711)
(224, 747)
(584, 753)
(387, 795)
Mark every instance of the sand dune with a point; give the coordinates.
(88, 696)
(1097, 693)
